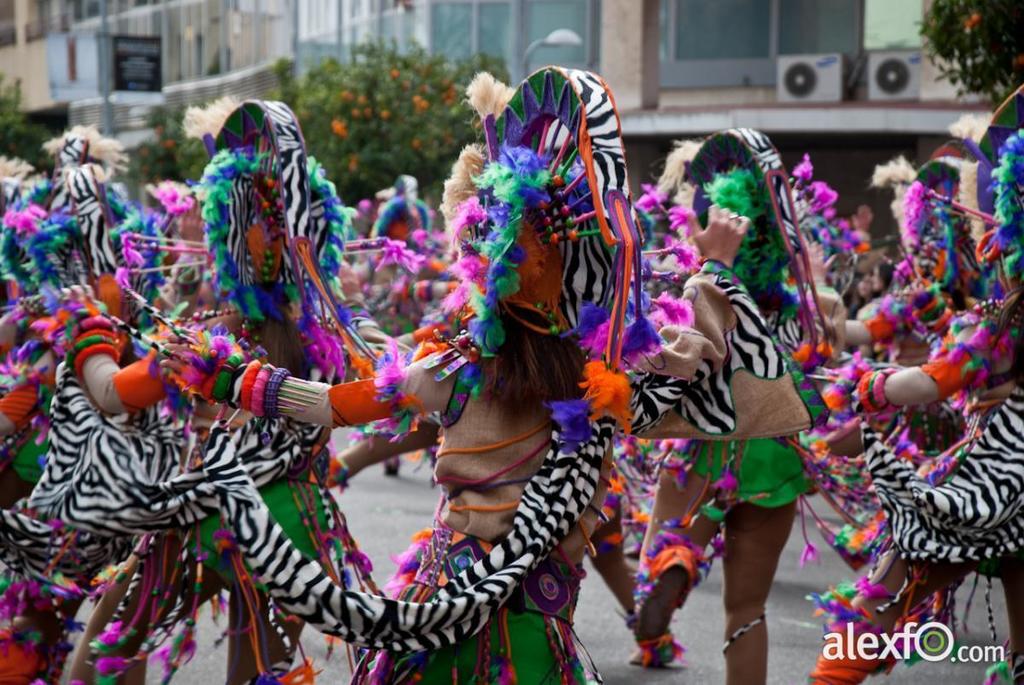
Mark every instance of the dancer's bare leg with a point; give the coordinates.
(13, 488)
(611, 563)
(1012, 575)
(165, 553)
(672, 504)
(754, 539)
(242, 649)
(890, 572)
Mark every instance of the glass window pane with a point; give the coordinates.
(816, 26)
(723, 29)
(543, 17)
(892, 24)
(451, 28)
(495, 34)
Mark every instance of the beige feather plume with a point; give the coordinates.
(208, 118)
(895, 173)
(460, 186)
(107, 151)
(970, 126)
(967, 195)
(13, 167)
(488, 95)
(673, 177)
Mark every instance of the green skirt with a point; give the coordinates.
(534, 662)
(286, 508)
(27, 462)
(770, 474)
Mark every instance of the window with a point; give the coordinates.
(493, 30)
(722, 29)
(892, 24)
(817, 26)
(543, 16)
(451, 29)
(736, 42)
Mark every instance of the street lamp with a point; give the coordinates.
(559, 38)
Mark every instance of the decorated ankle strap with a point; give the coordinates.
(741, 631)
(660, 652)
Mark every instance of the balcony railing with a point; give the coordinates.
(8, 33)
(35, 30)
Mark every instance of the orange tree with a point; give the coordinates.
(169, 154)
(977, 44)
(19, 136)
(385, 113)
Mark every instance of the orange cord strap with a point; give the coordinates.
(20, 405)
(136, 386)
(356, 403)
(497, 445)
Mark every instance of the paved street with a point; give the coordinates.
(383, 512)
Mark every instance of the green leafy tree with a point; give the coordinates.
(977, 44)
(19, 136)
(169, 155)
(385, 113)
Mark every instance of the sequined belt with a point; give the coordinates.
(551, 588)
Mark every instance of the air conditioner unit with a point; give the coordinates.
(809, 78)
(894, 75)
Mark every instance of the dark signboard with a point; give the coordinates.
(137, 64)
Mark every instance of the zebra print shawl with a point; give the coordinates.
(552, 503)
(121, 476)
(977, 513)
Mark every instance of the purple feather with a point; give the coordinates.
(573, 420)
(641, 339)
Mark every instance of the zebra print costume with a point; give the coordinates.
(706, 401)
(120, 475)
(565, 104)
(975, 514)
(552, 502)
(553, 499)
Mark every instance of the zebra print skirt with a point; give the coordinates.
(974, 513)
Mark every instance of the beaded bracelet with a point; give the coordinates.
(89, 344)
(252, 370)
(259, 387)
(79, 358)
(871, 390)
(270, 408)
(225, 373)
(95, 323)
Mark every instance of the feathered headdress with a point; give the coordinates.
(740, 170)
(999, 184)
(274, 224)
(403, 214)
(86, 145)
(550, 239)
(935, 232)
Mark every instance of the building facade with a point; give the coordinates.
(844, 80)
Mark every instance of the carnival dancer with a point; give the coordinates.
(744, 490)
(59, 235)
(959, 512)
(549, 245)
(274, 226)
